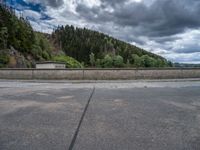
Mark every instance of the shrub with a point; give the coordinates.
(45, 55)
(69, 61)
(118, 61)
(136, 60)
(107, 62)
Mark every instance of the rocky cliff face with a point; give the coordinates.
(16, 59)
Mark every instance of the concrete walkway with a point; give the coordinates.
(100, 115)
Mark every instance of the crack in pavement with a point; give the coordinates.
(81, 120)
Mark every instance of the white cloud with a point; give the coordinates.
(187, 42)
(91, 3)
(31, 13)
(184, 48)
(180, 47)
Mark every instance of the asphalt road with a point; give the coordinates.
(120, 115)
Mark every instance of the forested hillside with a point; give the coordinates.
(100, 50)
(18, 41)
(21, 46)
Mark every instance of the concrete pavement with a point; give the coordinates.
(122, 115)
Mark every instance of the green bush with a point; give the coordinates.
(45, 55)
(107, 62)
(118, 61)
(148, 61)
(69, 61)
(36, 52)
(136, 60)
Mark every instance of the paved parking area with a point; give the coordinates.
(120, 115)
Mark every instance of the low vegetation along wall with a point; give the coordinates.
(100, 74)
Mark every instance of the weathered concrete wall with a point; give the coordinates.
(58, 74)
(15, 74)
(142, 74)
(100, 74)
(109, 74)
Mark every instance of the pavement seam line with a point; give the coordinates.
(80, 121)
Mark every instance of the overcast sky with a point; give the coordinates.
(170, 28)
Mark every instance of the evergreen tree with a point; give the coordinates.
(3, 37)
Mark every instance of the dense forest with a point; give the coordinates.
(21, 46)
(100, 50)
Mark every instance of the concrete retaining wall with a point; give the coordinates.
(100, 74)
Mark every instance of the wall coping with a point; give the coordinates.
(99, 69)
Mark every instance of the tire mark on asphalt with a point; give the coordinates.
(81, 120)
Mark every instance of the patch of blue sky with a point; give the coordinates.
(21, 5)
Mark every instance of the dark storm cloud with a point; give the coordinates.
(163, 40)
(94, 14)
(112, 2)
(189, 49)
(54, 3)
(161, 18)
